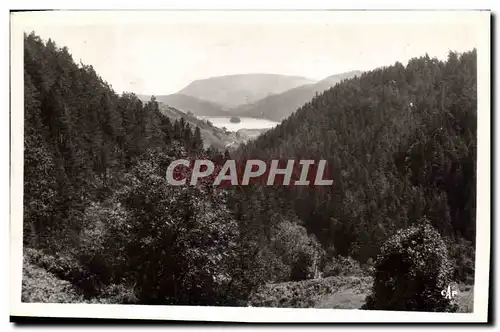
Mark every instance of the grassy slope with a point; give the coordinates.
(333, 292)
(340, 292)
(465, 298)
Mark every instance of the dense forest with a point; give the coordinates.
(400, 144)
(102, 225)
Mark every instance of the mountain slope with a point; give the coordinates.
(233, 90)
(97, 203)
(400, 142)
(191, 104)
(212, 136)
(279, 106)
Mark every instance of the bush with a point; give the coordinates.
(100, 247)
(62, 266)
(298, 250)
(462, 256)
(50, 279)
(411, 271)
(116, 294)
(342, 266)
(38, 285)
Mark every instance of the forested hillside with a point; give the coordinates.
(97, 212)
(401, 145)
(279, 106)
(102, 225)
(213, 137)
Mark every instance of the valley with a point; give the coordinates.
(259, 101)
(101, 223)
(260, 96)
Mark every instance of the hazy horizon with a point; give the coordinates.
(149, 56)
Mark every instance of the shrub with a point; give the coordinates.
(342, 266)
(38, 285)
(100, 247)
(368, 268)
(462, 256)
(62, 266)
(116, 294)
(411, 271)
(300, 251)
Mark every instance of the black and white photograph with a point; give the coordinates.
(246, 166)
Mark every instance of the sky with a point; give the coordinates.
(162, 52)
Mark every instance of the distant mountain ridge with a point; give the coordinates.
(234, 90)
(279, 106)
(269, 96)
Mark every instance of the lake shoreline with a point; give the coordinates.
(249, 123)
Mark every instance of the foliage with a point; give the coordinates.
(298, 250)
(400, 143)
(185, 234)
(342, 266)
(95, 164)
(80, 137)
(116, 294)
(341, 292)
(411, 271)
(60, 280)
(98, 213)
(63, 266)
(462, 255)
(38, 285)
(311, 293)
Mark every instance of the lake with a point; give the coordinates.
(245, 123)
